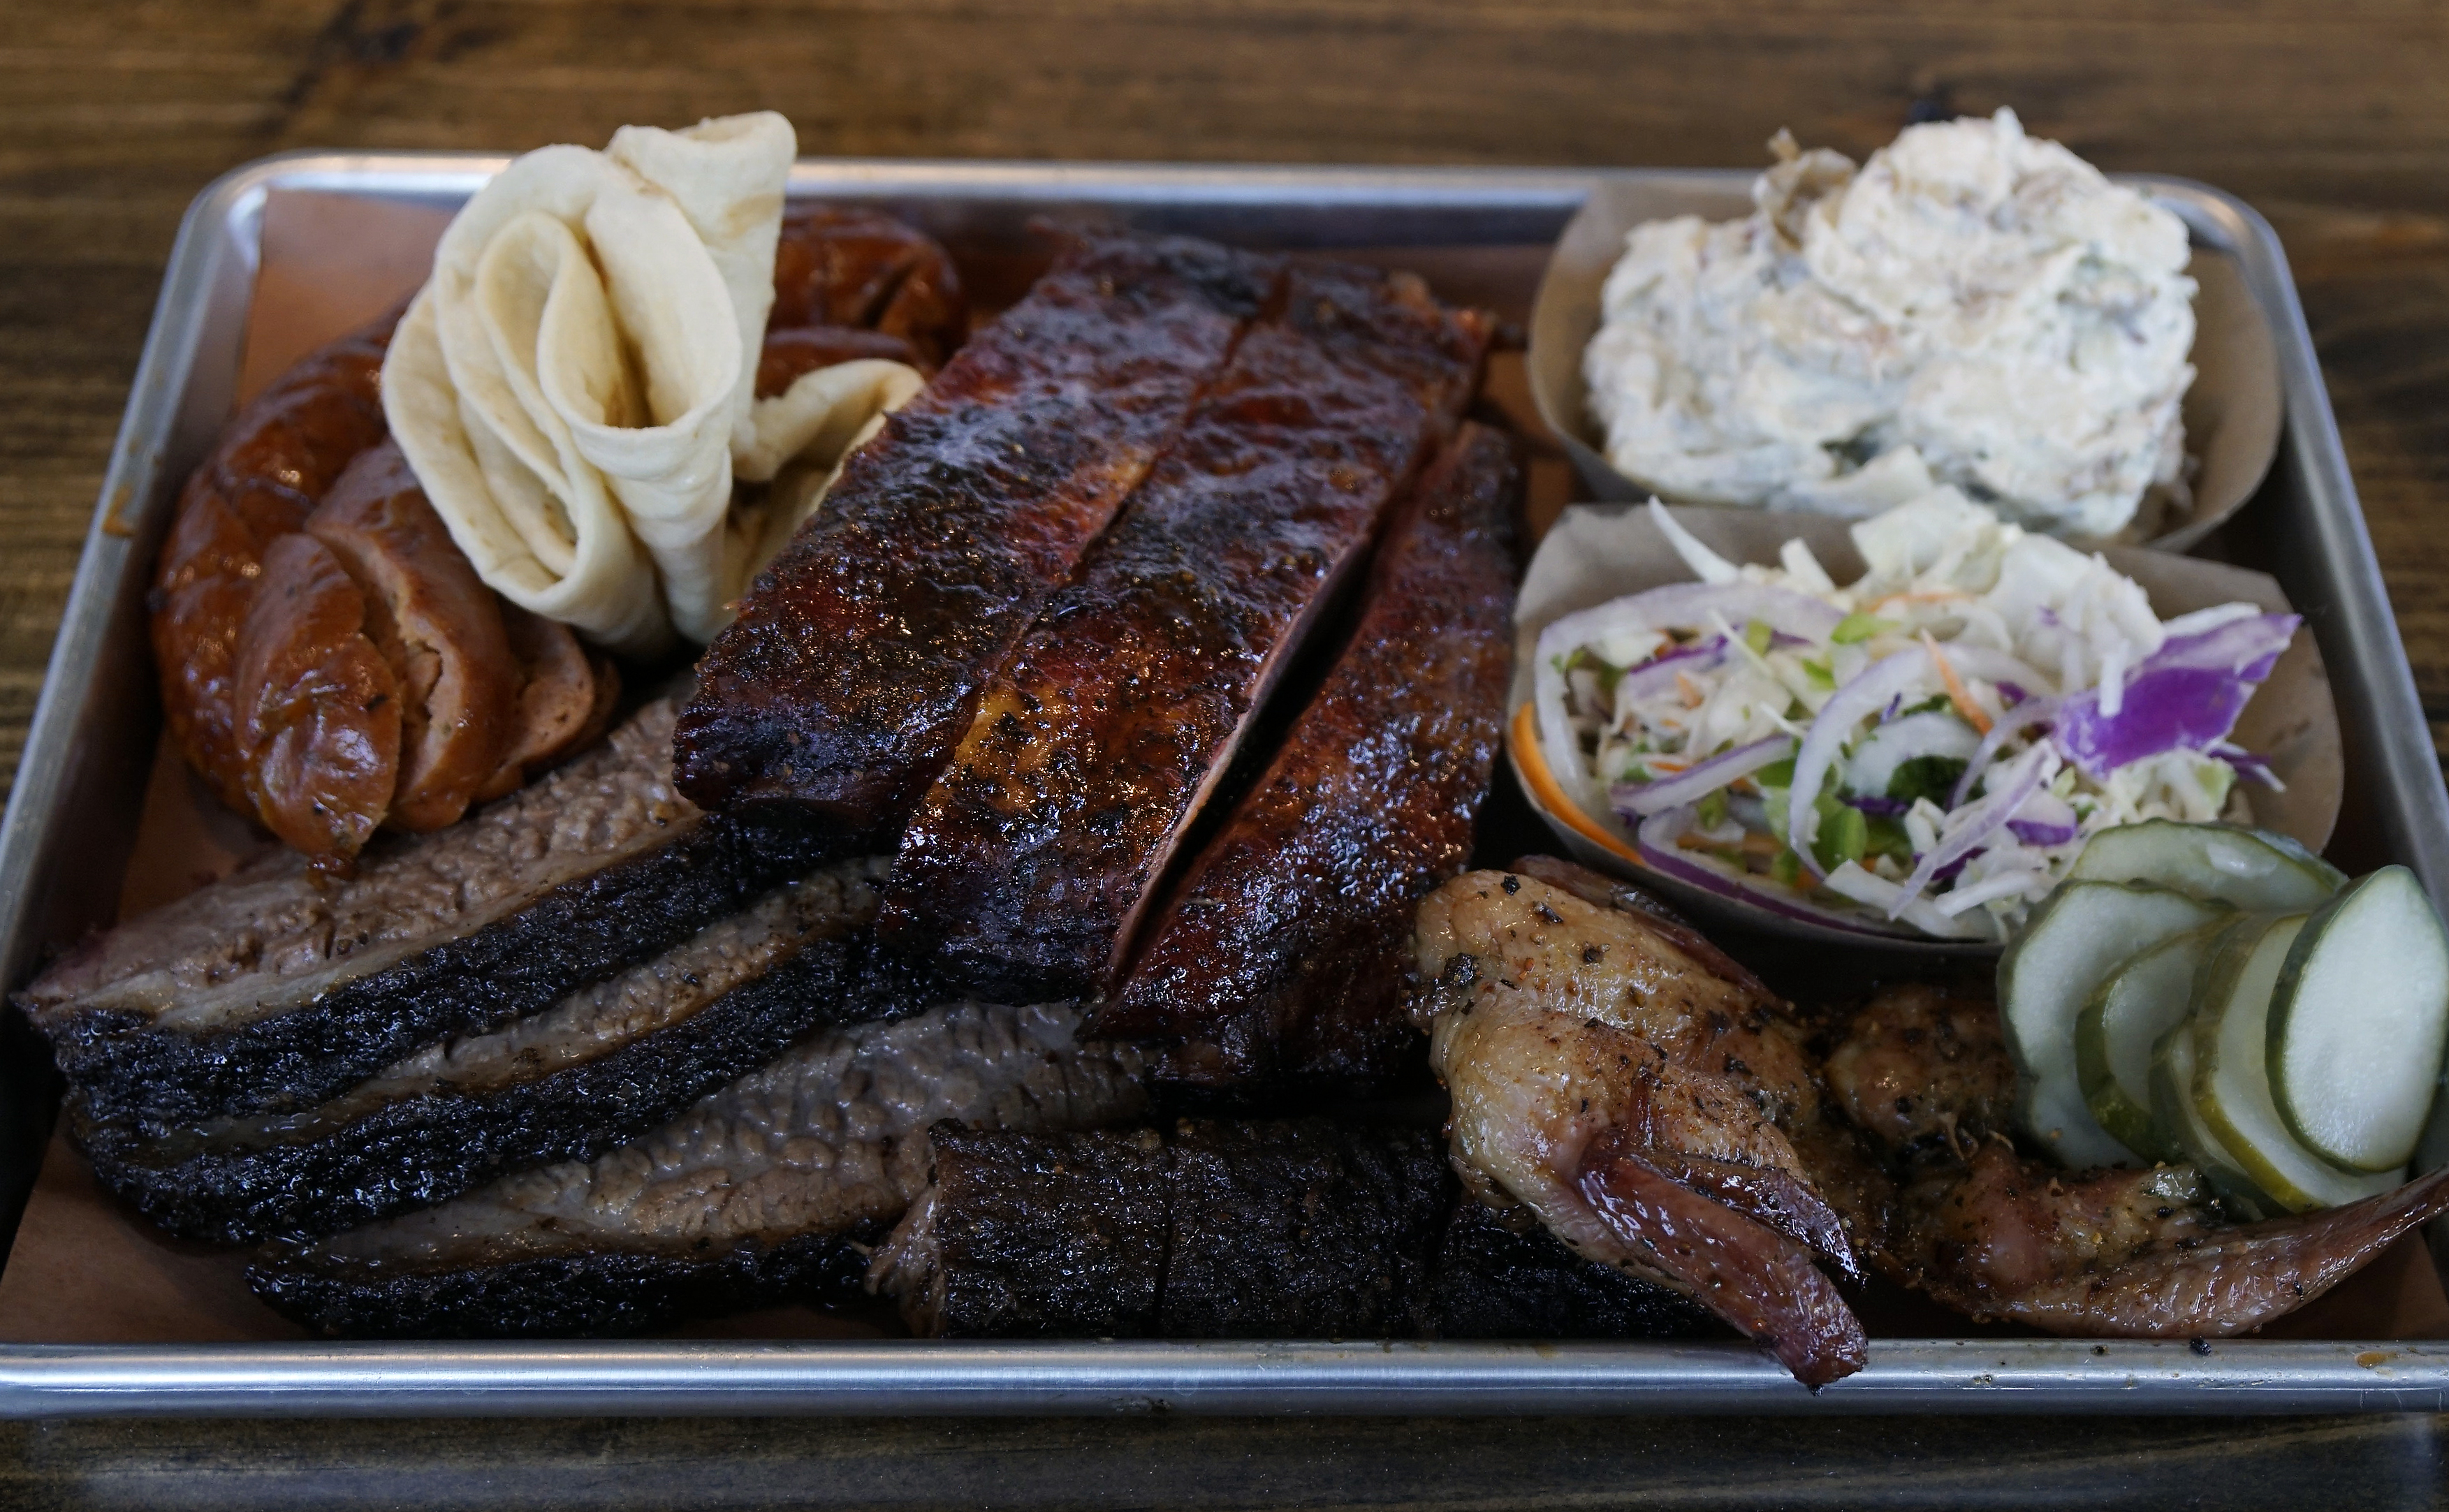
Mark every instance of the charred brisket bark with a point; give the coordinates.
(841, 690)
(1492, 1282)
(1278, 964)
(1046, 1236)
(1302, 1227)
(269, 991)
(609, 1065)
(1032, 860)
(752, 1196)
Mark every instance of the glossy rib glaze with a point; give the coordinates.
(842, 688)
(1279, 961)
(1031, 861)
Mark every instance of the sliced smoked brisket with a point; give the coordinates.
(274, 990)
(756, 1195)
(611, 1063)
(1299, 1228)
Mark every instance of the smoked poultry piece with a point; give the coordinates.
(272, 466)
(838, 692)
(1031, 861)
(770, 1190)
(1652, 1112)
(2115, 1253)
(607, 1064)
(1280, 959)
(276, 988)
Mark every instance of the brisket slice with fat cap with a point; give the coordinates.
(611, 1063)
(1029, 862)
(852, 669)
(1280, 962)
(273, 989)
(759, 1194)
(1296, 1229)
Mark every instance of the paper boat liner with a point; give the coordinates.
(2231, 412)
(1598, 552)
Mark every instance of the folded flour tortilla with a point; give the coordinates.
(575, 384)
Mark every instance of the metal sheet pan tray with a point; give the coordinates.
(71, 823)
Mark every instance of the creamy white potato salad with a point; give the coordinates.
(1973, 307)
(1925, 749)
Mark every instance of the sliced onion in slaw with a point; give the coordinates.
(2017, 719)
(1698, 781)
(1968, 827)
(1847, 707)
(1659, 853)
(1875, 891)
(1678, 606)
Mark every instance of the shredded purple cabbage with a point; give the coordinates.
(2034, 832)
(2186, 696)
(1885, 808)
(1949, 871)
(2248, 766)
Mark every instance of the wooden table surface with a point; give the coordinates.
(2331, 117)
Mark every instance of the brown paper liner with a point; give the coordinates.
(2231, 412)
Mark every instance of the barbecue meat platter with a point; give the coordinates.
(779, 783)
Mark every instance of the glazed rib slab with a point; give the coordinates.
(839, 691)
(1029, 862)
(608, 1064)
(272, 991)
(759, 1193)
(1278, 964)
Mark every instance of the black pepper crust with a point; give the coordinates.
(1492, 1282)
(571, 937)
(423, 1149)
(584, 1294)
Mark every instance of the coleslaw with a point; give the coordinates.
(1921, 752)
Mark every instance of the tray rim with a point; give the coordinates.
(914, 1377)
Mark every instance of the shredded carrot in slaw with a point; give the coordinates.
(1524, 742)
(1956, 690)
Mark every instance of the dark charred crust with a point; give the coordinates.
(1281, 962)
(423, 1149)
(1034, 861)
(1286, 1230)
(584, 1294)
(1304, 1229)
(854, 663)
(572, 936)
(1492, 1282)
(1042, 1236)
